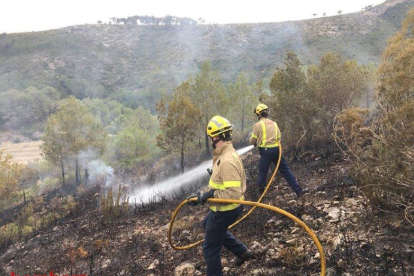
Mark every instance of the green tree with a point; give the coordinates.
(336, 84)
(135, 143)
(69, 131)
(179, 119)
(243, 99)
(209, 94)
(292, 102)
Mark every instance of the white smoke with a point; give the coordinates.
(99, 171)
(86, 156)
(167, 187)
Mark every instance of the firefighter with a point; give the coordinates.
(227, 181)
(266, 136)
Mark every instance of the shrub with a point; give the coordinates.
(382, 152)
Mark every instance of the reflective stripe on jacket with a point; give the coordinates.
(228, 179)
(266, 134)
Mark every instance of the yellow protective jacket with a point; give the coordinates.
(228, 178)
(266, 134)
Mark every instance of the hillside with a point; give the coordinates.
(149, 60)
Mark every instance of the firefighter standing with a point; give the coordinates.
(227, 181)
(266, 136)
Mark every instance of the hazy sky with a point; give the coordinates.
(37, 15)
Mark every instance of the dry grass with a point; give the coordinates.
(23, 153)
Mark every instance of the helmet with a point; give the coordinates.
(218, 125)
(260, 109)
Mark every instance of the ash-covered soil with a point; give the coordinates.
(356, 240)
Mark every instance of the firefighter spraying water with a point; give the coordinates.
(167, 187)
(225, 197)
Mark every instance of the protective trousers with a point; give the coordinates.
(267, 156)
(216, 226)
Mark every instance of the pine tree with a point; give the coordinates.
(209, 94)
(179, 120)
(243, 100)
(69, 131)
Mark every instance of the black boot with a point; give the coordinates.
(302, 192)
(244, 257)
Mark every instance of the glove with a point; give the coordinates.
(202, 197)
(210, 171)
(193, 203)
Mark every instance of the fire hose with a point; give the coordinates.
(254, 204)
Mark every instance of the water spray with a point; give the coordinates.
(167, 187)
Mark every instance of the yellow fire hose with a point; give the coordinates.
(254, 204)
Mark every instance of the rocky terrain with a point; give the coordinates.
(356, 240)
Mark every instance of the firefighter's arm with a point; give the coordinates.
(255, 134)
(231, 176)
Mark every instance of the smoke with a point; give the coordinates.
(166, 188)
(86, 156)
(99, 171)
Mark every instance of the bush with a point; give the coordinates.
(382, 152)
(113, 207)
(48, 184)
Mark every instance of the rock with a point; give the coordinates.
(333, 213)
(272, 254)
(226, 269)
(351, 202)
(341, 263)
(300, 249)
(257, 272)
(307, 218)
(312, 261)
(330, 272)
(185, 269)
(153, 265)
(256, 246)
(355, 219)
(337, 241)
(270, 223)
(106, 263)
(185, 236)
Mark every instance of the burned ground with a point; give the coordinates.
(356, 240)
